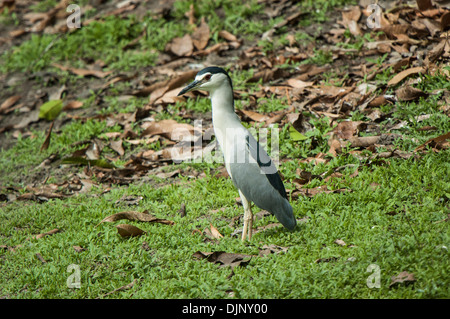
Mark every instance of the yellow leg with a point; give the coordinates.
(248, 218)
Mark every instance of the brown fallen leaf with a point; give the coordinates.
(79, 249)
(129, 200)
(255, 116)
(94, 150)
(117, 147)
(181, 46)
(409, 93)
(350, 20)
(49, 233)
(272, 249)
(374, 114)
(326, 260)
(168, 128)
(436, 52)
(404, 74)
(8, 103)
(347, 129)
(364, 141)
(378, 101)
(72, 105)
(393, 31)
(445, 21)
(402, 278)
(83, 72)
(214, 232)
(158, 90)
(46, 143)
(137, 216)
(126, 287)
(190, 14)
(424, 5)
(224, 259)
(269, 75)
(228, 36)
(126, 230)
(394, 154)
(200, 36)
(39, 256)
(310, 192)
(299, 84)
(434, 142)
(182, 210)
(221, 46)
(340, 242)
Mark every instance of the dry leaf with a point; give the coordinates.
(214, 232)
(126, 230)
(347, 129)
(191, 14)
(181, 46)
(79, 249)
(299, 84)
(82, 72)
(94, 150)
(117, 147)
(201, 35)
(49, 233)
(228, 36)
(46, 143)
(434, 142)
(255, 116)
(129, 200)
(409, 93)
(214, 48)
(169, 128)
(8, 103)
(445, 21)
(340, 242)
(326, 260)
(404, 74)
(272, 249)
(126, 287)
(350, 20)
(436, 52)
(137, 216)
(39, 256)
(223, 258)
(424, 5)
(402, 278)
(310, 192)
(159, 89)
(72, 105)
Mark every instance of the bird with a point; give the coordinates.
(251, 169)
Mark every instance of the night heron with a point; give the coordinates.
(249, 166)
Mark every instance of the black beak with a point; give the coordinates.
(188, 88)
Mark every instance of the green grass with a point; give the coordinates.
(392, 214)
(394, 226)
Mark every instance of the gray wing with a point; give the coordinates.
(258, 179)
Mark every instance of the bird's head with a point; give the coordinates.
(209, 79)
